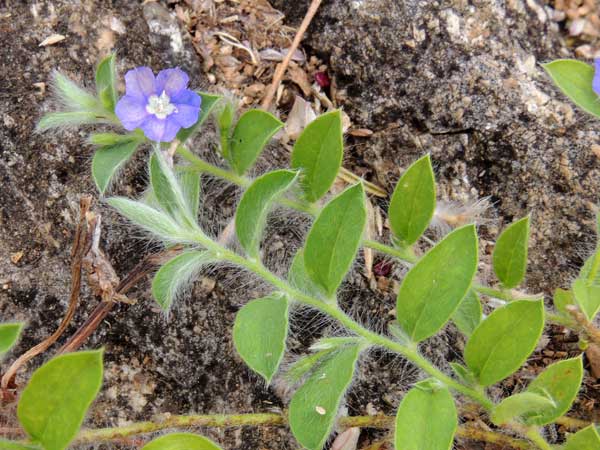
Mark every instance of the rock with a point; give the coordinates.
(465, 84)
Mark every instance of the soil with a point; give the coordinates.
(458, 80)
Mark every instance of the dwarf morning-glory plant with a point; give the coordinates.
(439, 287)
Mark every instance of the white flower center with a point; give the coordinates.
(161, 106)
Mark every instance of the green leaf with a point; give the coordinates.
(251, 133)
(68, 119)
(560, 382)
(314, 406)
(225, 115)
(208, 103)
(562, 299)
(259, 334)
(105, 82)
(10, 445)
(9, 334)
(574, 78)
(426, 419)
(251, 214)
(181, 441)
(189, 181)
(586, 287)
(435, 285)
(334, 239)
(510, 253)
(468, 314)
(72, 96)
(108, 160)
(150, 219)
(504, 340)
(413, 202)
(586, 439)
(518, 405)
(54, 403)
(175, 274)
(305, 365)
(318, 152)
(463, 374)
(298, 276)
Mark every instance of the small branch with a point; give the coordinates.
(79, 249)
(466, 431)
(586, 326)
(103, 308)
(281, 68)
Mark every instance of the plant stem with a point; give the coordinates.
(333, 311)
(534, 435)
(404, 254)
(205, 167)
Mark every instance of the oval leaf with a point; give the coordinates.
(207, 104)
(586, 288)
(314, 406)
(105, 82)
(251, 214)
(9, 334)
(574, 78)
(54, 403)
(318, 152)
(560, 382)
(259, 334)
(426, 419)
(518, 405)
(334, 239)
(587, 439)
(181, 441)
(413, 202)
(434, 287)
(562, 299)
(469, 313)
(510, 253)
(298, 277)
(504, 340)
(251, 133)
(108, 160)
(174, 275)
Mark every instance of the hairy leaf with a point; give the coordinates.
(251, 214)
(189, 181)
(9, 334)
(434, 287)
(586, 287)
(574, 78)
(522, 404)
(503, 341)
(468, 314)
(253, 131)
(318, 152)
(510, 253)
(259, 334)
(54, 403)
(209, 101)
(181, 441)
(314, 406)
(413, 202)
(108, 160)
(175, 274)
(299, 278)
(334, 239)
(426, 418)
(586, 439)
(149, 218)
(105, 82)
(305, 365)
(560, 382)
(72, 96)
(68, 119)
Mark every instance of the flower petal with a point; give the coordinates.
(140, 83)
(131, 111)
(172, 81)
(188, 108)
(596, 81)
(160, 130)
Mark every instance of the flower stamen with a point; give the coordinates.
(160, 106)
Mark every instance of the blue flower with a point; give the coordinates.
(160, 106)
(596, 81)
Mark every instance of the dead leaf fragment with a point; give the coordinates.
(52, 39)
(16, 257)
(593, 356)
